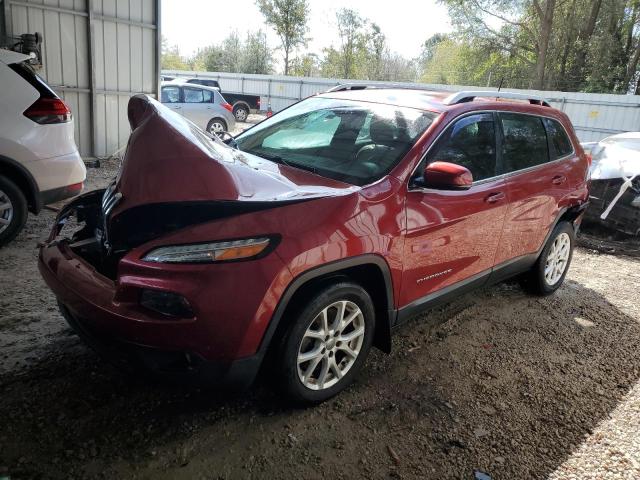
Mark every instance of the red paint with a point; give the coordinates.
(444, 174)
(430, 238)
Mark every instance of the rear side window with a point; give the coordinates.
(28, 74)
(560, 143)
(196, 95)
(524, 142)
(470, 142)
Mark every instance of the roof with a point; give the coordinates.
(401, 97)
(181, 82)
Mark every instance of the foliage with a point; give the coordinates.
(235, 56)
(577, 45)
(574, 45)
(170, 57)
(289, 19)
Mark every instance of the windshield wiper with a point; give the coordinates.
(282, 161)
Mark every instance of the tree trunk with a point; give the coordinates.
(546, 23)
(568, 43)
(286, 60)
(576, 74)
(632, 67)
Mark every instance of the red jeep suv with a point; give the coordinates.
(308, 238)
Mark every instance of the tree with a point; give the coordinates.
(289, 19)
(170, 58)
(307, 65)
(232, 50)
(256, 56)
(349, 25)
(377, 43)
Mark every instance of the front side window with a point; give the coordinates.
(470, 142)
(560, 143)
(350, 141)
(170, 95)
(524, 141)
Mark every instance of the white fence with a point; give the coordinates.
(594, 115)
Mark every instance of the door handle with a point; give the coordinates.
(494, 197)
(559, 179)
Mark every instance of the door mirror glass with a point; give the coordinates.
(447, 176)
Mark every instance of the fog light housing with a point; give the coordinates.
(166, 303)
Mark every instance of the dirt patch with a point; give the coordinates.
(496, 381)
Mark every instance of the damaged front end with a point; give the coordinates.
(172, 176)
(615, 183)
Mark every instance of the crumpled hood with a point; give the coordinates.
(169, 159)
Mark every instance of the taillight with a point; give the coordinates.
(228, 106)
(48, 110)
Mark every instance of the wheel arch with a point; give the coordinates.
(369, 271)
(219, 118)
(241, 103)
(19, 175)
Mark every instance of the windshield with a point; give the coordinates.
(353, 142)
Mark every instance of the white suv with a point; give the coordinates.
(39, 160)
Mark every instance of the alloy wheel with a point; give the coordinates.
(6, 211)
(557, 259)
(241, 115)
(217, 128)
(330, 345)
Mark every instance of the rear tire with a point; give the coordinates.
(241, 113)
(13, 210)
(326, 344)
(551, 268)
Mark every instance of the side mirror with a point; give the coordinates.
(446, 176)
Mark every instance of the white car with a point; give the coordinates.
(39, 160)
(204, 106)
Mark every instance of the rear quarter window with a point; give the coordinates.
(558, 138)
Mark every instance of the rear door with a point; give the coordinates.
(537, 172)
(198, 105)
(452, 236)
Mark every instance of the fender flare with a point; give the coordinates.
(383, 328)
(33, 195)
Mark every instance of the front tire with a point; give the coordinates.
(13, 210)
(551, 268)
(326, 344)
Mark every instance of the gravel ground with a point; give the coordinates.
(497, 381)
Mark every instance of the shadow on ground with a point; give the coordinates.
(497, 381)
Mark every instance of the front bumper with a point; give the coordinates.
(232, 305)
(173, 366)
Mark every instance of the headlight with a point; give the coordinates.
(210, 252)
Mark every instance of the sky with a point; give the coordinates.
(191, 24)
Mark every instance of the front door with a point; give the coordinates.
(452, 236)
